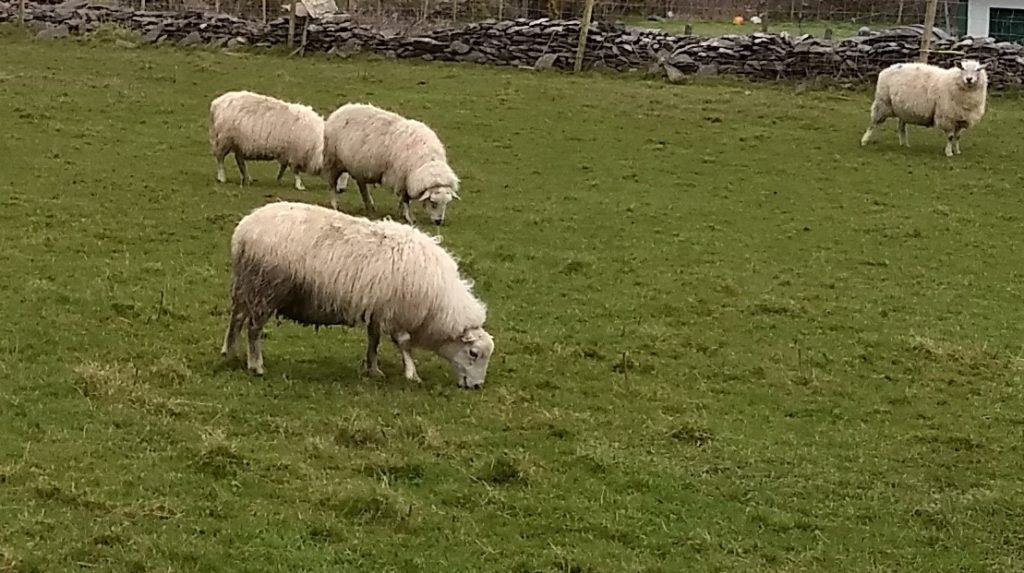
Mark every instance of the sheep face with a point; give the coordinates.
(435, 202)
(469, 356)
(972, 74)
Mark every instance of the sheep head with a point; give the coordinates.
(435, 202)
(469, 355)
(435, 185)
(972, 74)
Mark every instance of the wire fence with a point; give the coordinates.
(842, 18)
(701, 17)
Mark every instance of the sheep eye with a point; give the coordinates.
(473, 353)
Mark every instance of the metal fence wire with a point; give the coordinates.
(701, 17)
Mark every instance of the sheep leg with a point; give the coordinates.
(950, 138)
(243, 170)
(231, 336)
(221, 176)
(956, 140)
(878, 116)
(255, 358)
(372, 342)
(367, 199)
(406, 211)
(280, 172)
(298, 180)
(337, 183)
(404, 343)
(903, 134)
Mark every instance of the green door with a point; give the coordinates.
(1006, 24)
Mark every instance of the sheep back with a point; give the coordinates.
(374, 145)
(261, 127)
(319, 266)
(911, 91)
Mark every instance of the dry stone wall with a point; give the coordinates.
(545, 43)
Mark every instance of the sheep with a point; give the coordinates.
(259, 127)
(317, 266)
(373, 145)
(921, 94)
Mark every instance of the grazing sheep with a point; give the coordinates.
(317, 266)
(373, 145)
(921, 94)
(262, 128)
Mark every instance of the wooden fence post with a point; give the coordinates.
(305, 36)
(929, 24)
(291, 25)
(588, 10)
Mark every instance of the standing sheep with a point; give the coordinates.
(262, 128)
(317, 266)
(373, 145)
(921, 94)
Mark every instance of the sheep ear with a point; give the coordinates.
(455, 195)
(959, 64)
(983, 67)
(424, 197)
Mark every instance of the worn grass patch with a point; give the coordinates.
(728, 337)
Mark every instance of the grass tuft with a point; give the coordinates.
(97, 380)
(412, 473)
(170, 370)
(692, 435)
(359, 434)
(219, 458)
(220, 461)
(376, 504)
(503, 470)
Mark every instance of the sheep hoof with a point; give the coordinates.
(257, 371)
(373, 372)
(415, 379)
(222, 179)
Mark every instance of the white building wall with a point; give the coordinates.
(977, 14)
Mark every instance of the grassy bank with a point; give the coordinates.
(728, 337)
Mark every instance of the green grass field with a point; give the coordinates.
(728, 337)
